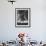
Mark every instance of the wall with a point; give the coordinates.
(8, 31)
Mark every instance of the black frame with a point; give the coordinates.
(29, 16)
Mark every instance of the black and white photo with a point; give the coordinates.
(22, 17)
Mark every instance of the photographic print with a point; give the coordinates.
(22, 17)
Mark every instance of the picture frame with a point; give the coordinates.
(22, 17)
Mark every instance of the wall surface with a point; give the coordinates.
(8, 31)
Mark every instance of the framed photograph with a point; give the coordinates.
(22, 17)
